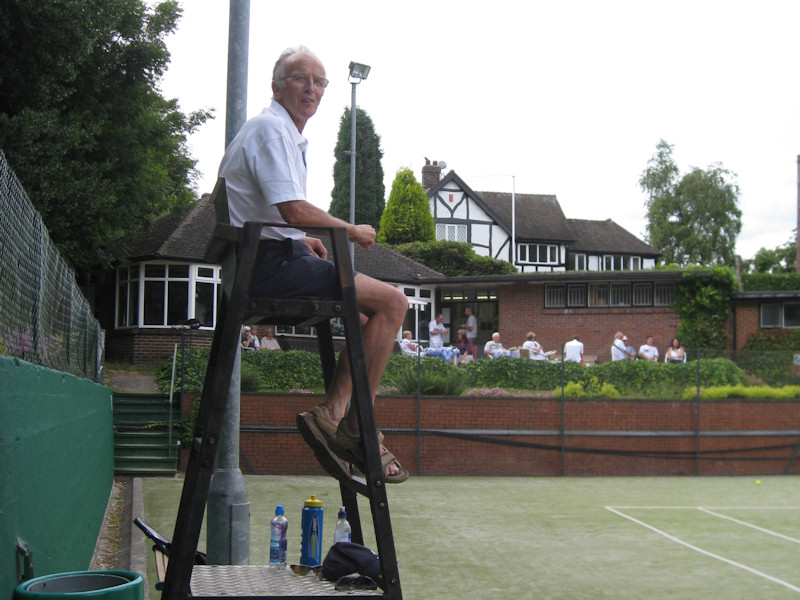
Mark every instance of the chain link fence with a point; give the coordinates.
(44, 317)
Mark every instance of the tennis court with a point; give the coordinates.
(616, 537)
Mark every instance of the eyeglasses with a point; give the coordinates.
(305, 569)
(355, 582)
(300, 79)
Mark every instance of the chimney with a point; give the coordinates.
(431, 174)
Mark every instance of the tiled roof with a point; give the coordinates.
(538, 216)
(607, 237)
(185, 238)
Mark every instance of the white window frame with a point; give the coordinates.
(531, 254)
(133, 283)
(451, 232)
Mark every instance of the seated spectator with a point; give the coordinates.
(573, 350)
(268, 342)
(619, 350)
(408, 347)
(675, 353)
(464, 347)
(648, 351)
(493, 348)
(533, 347)
(249, 340)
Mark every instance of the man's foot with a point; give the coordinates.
(347, 446)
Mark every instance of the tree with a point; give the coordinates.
(782, 259)
(99, 151)
(370, 191)
(407, 217)
(694, 219)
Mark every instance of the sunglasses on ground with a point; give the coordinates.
(305, 569)
(355, 582)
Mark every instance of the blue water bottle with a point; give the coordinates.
(311, 525)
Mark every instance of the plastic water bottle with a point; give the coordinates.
(342, 531)
(311, 542)
(277, 539)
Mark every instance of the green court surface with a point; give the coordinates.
(616, 537)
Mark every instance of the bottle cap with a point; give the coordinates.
(312, 502)
(279, 510)
(342, 513)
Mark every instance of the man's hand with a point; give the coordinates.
(363, 235)
(316, 246)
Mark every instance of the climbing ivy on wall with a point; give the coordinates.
(703, 304)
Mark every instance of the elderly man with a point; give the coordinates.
(493, 348)
(619, 351)
(265, 175)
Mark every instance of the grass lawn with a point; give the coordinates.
(617, 537)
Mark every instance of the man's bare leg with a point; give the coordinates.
(383, 309)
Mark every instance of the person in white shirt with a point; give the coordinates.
(408, 347)
(436, 331)
(493, 348)
(268, 342)
(471, 326)
(648, 351)
(265, 173)
(618, 349)
(573, 350)
(533, 347)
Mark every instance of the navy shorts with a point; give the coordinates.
(288, 269)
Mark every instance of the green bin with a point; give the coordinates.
(76, 585)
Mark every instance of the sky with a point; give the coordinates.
(567, 98)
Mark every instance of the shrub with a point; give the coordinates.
(431, 380)
(787, 392)
(589, 389)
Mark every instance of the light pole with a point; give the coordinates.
(358, 72)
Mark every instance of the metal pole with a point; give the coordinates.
(238, 45)
(353, 166)
(228, 526)
(514, 221)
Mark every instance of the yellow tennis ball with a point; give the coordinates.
(758, 482)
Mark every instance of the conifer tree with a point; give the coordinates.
(370, 190)
(407, 217)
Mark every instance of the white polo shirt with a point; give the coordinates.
(263, 166)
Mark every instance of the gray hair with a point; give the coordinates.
(277, 71)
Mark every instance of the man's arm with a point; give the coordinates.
(302, 212)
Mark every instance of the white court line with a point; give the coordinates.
(746, 524)
(706, 552)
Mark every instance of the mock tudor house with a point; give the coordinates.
(529, 230)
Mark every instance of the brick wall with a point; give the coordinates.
(152, 347)
(523, 311)
(522, 436)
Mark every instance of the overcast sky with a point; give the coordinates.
(567, 98)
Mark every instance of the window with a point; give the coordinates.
(620, 294)
(642, 294)
(621, 263)
(771, 315)
(555, 296)
(576, 262)
(598, 294)
(576, 295)
(786, 315)
(163, 295)
(449, 232)
(664, 293)
(542, 254)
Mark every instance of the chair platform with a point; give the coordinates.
(218, 582)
